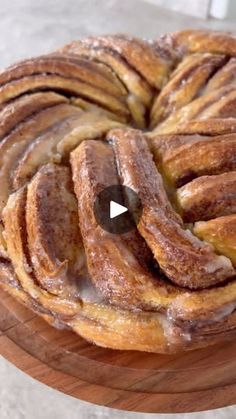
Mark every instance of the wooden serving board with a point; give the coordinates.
(193, 381)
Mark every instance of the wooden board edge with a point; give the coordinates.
(116, 399)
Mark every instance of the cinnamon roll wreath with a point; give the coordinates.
(158, 117)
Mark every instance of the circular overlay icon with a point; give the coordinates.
(117, 209)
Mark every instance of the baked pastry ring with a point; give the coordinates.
(158, 117)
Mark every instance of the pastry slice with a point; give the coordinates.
(137, 64)
(208, 197)
(55, 144)
(87, 106)
(91, 125)
(54, 241)
(223, 108)
(16, 143)
(195, 109)
(43, 149)
(64, 85)
(114, 264)
(211, 127)
(186, 81)
(24, 107)
(226, 75)
(200, 40)
(65, 66)
(183, 158)
(220, 232)
(184, 259)
(16, 238)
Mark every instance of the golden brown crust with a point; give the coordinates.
(25, 107)
(185, 83)
(209, 105)
(138, 54)
(220, 232)
(65, 134)
(56, 252)
(208, 197)
(182, 158)
(113, 264)
(206, 41)
(66, 66)
(210, 127)
(185, 260)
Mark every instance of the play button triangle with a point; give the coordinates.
(110, 211)
(116, 209)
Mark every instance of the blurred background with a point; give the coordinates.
(32, 27)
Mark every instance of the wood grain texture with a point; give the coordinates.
(194, 381)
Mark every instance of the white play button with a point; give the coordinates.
(112, 214)
(116, 209)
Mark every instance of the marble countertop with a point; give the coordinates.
(33, 27)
